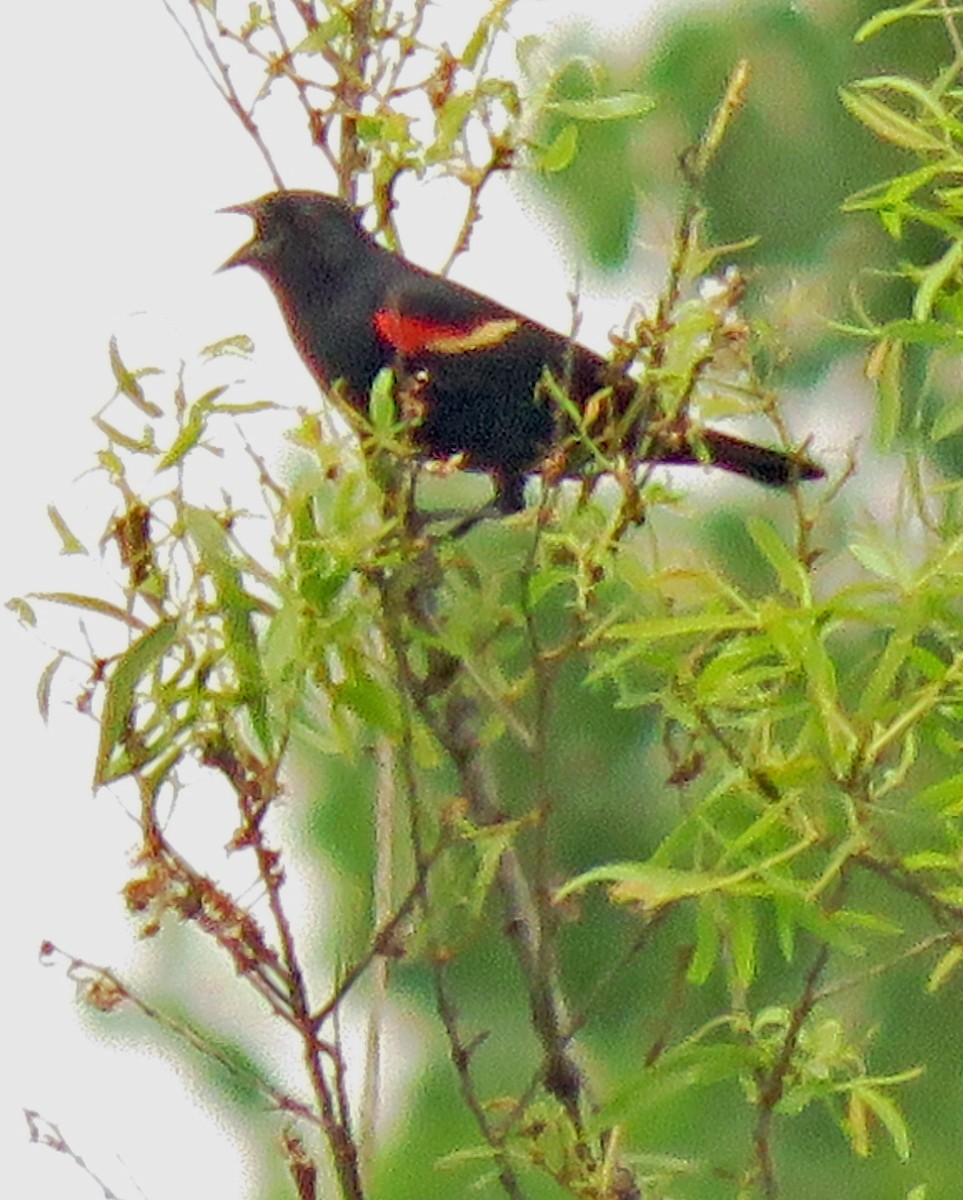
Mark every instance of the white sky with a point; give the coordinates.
(118, 154)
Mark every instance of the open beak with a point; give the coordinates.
(246, 210)
(247, 252)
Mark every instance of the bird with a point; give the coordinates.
(475, 368)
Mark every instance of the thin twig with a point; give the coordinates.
(105, 990)
(45, 1133)
(772, 1084)
(225, 86)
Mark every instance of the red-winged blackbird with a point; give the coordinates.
(477, 368)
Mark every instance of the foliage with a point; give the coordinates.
(632, 826)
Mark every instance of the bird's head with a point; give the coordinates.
(297, 228)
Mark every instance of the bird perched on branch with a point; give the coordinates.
(478, 371)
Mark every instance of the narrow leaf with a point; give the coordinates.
(707, 944)
(948, 965)
(190, 434)
(887, 370)
(70, 543)
(381, 406)
(934, 280)
(127, 382)
(238, 344)
(92, 604)
(789, 570)
(120, 703)
(605, 108)
(888, 1113)
(890, 124)
(236, 607)
(45, 683)
(888, 16)
(949, 421)
(643, 883)
(743, 938)
(683, 626)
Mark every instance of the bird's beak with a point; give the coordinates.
(239, 258)
(248, 251)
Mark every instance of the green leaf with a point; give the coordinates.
(923, 97)
(143, 445)
(120, 702)
(381, 406)
(604, 108)
(644, 883)
(22, 611)
(935, 279)
(490, 24)
(127, 382)
(559, 153)
(466, 1154)
(373, 703)
(659, 628)
(880, 684)
(45, 682)
(889, 1115)
(893, 193)
(888, 359)
(189, 435)
(742, 938)
(820, 671)
(879, 560)
(949, 421)
(945, 796)
(707, 943)
(450, 123)
(738, 667)
(948, 965)
(70, 544)
(890, 124)
(789, 570)
(917, 333)
(253, 406)
(889, 16)
(787, 908)
(92, 604)
(237, 345)
(317, 41)
(385, 128)
(236, 607)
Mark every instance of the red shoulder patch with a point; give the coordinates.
(409, 335)
(413, 335)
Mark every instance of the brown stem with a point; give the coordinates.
(350, 94)
(255, 787)
(225, 85)
(453, 718)
(461, 1060)
(772, 1084)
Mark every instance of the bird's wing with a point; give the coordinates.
(425, 314)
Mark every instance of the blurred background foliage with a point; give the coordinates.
(791, 160)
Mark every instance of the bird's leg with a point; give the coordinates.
(509, 491)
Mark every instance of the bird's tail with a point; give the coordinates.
(775, 468)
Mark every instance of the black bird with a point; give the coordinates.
(476, 368)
